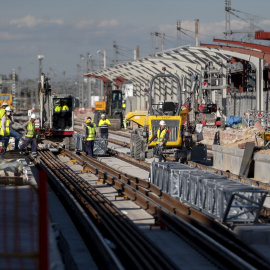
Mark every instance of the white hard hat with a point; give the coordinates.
(162, 123)
(8, 108)
(103, 115)
(4, 104)
(33, 116)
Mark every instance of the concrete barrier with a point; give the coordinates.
(226, 158)
(262, 167)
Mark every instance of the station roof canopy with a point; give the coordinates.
(183, 60)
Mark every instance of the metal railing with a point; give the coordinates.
(24, 225)
(100, 145)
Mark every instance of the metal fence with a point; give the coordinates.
(100, 145)
(23, 224)
(217, 196)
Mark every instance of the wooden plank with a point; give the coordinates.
(247, 158)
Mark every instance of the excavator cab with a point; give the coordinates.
(117, 98)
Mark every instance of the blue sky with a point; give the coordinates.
(62, 30)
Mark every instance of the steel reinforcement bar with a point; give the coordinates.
(132, 247)
(152, 199)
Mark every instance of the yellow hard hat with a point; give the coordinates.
(88, 121)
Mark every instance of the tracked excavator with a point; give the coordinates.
(56, 115)
(112, 107)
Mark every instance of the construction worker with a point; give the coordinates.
(161, 137)
(125, 122)
(30, 136)
(123, 105)
(2, 110)
(89, 118)
(89, 139)
(60, 111)
(104, 126)
(4, 130)
(13, 133)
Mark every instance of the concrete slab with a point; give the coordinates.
(75, 253)
(178, 250)
(257, 236)
(125, 167)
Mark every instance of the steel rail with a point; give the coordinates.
(130, 241)
(153, 193)
(94, 239)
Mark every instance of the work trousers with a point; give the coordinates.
(33, 142)
(6, 140)
(17, 137)
(104, 135)
(89, 147)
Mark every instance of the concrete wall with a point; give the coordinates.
(227, 158)
(231, 158)
(239, 103)
(262, 167)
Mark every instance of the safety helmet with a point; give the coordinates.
(88, 121)
(8, 109)
(103, 115)
(162, 123)
(57, 102)
(33, 116)
(4, 104)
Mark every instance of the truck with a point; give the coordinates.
(51, 125)
(180, 141)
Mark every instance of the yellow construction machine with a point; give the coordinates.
(180, 135)
(112, 107)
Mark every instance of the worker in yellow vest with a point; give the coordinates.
(104, 126)
(2, 110)
(4, 126)
(161, 137)
(60, 114)
(89, 139)
(30, 136)
(123, 105)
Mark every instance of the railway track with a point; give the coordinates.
(131, 245)
(171, 213)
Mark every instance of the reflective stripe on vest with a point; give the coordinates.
(6, 128)
(30, 130)
(91, 133)
(104, 128)
(161, 135)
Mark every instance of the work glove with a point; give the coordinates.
(160, 144)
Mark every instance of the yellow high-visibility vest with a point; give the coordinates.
(161, 135)
(91, 133)
(6, 128)
(2, 112)
(30, 130)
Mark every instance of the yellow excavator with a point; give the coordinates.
(112, 107)
(180, 136)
